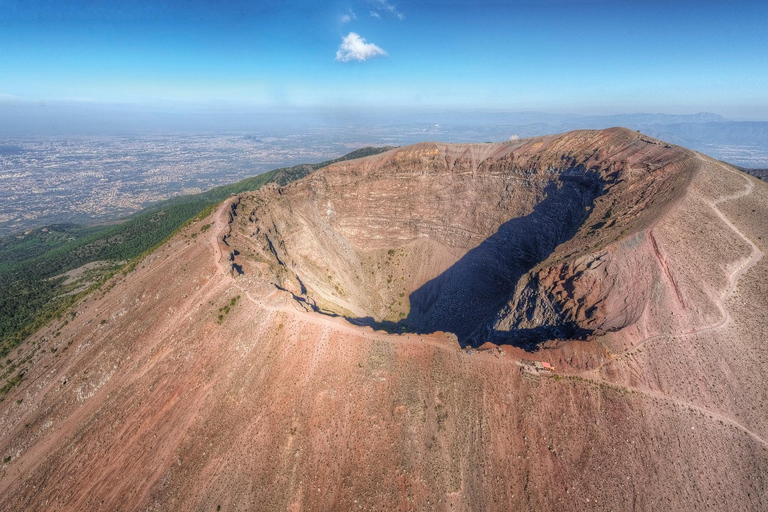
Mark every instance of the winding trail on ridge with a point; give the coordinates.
(749, 262)
(593, 374)
(221, 223)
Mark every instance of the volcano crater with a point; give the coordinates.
(512, 243)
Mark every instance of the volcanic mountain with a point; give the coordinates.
(376, 336)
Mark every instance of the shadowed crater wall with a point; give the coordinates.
(488, 241)
(467, 296)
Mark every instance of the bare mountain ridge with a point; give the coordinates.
(437, 237)
(194, 383)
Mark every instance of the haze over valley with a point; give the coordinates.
(376, 255)
(82, 178)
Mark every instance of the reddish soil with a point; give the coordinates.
(185, 386)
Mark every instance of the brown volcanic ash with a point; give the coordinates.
(635, 267)
(437, 237)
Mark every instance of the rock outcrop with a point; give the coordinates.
(518, 242)
(635, 269)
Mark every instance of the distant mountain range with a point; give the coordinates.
(758, 173)
(742, 143)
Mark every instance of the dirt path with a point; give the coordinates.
(337, 324)
(733, 280)
(221, 222)
(713, 414)
(757, 254)
(751, 261)
(682, 403)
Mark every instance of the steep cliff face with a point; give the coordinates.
(193, 383)
(489, 241)
(591, 294)
(601, 281)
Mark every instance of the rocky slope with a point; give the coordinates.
(205, 378)
(517, 242)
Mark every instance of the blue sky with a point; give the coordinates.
(550, 55)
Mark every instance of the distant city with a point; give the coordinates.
(101, 179)
(96, 179)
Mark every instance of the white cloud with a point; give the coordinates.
(388, 7)
(354, 47)
(374, 14)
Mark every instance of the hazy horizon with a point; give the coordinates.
(206, 93)
(22, 118)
